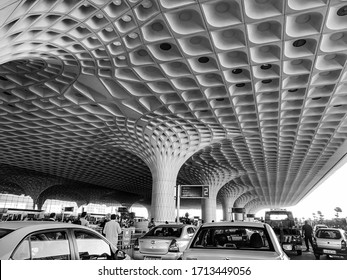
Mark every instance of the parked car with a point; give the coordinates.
(164, 242)
(41, 240)
(318, 226)
(236, 241)
(330, 241)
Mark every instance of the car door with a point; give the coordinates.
(45, 245)
(91, 246)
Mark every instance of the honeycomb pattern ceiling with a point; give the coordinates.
(97, 90)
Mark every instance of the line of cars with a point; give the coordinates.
(211, 241)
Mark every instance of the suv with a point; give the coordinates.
(330, 241)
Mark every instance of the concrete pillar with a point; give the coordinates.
(238, 214)
(227, 204)
(163, 203)
(208, 211)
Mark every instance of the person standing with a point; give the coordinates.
(84, 221)
(112, 230)
(151, 224)
(52, 217)
(307, 233)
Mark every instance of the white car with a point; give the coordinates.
(234, 241)
(318, 226)
(163, 242)
(330, 242)
(41, 240)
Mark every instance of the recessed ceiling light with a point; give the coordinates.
(203, 59)
(126, 18)
(316, 98)
(236, 71)
(240, 85)
(219, 99)
(133, 35)
(293, 90)
(117, 2)
(266, 81)
(299, 43)
(165, 46)
(147, 4)
(265, 66)
(342, 11)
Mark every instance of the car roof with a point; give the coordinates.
(174, 225)
(37, 224)
(235, 224)
(325, 229)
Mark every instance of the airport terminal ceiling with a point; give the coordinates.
(100, 98)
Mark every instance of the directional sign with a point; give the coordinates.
(194, 191)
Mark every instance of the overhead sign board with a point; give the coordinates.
(194, 191)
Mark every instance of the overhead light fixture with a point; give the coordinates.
(147, 4)
(342, 11)
(237, 71)
(133, 35)
(117, 2)
(126, 18)
(265, 66)
(165, 46)
(299, 43)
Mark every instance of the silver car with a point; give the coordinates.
(54, 241)
(163, 242)
(330, 242)
(234, 241)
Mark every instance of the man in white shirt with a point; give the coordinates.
(112, 230)
(84, 221)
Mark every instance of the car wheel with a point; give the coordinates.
(299, 252)
(317, 256)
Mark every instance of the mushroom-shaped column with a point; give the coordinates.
(243, 199)
(228, 194)
(216, 180)
(255, 205)
(33, 184)
(164, 174)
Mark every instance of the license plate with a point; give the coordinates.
(329, 251)
(151, 258)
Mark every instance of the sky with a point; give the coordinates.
(330, 194)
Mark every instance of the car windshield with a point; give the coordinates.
(329, 234)
(4, 232)
(234, 238)
(165, 231)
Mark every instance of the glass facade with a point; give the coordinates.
(16, 201)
